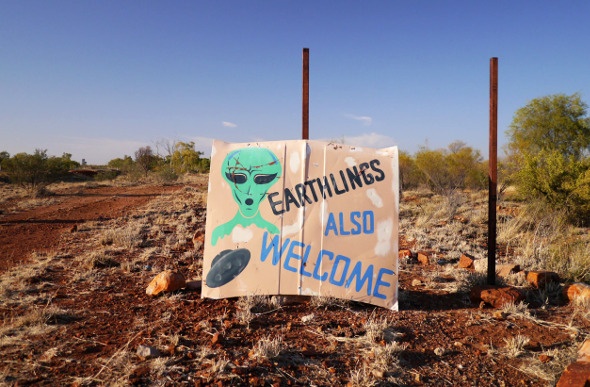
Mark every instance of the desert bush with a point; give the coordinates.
(409, 175)
(457, 167)
(185, 158)
(549, 148)
(166, 174)
(37, 170)
(107, 174)
(122, 164)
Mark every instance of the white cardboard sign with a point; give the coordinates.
(302, 217)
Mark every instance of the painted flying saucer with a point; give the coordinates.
(226, 266)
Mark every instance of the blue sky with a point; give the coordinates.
(99, 79)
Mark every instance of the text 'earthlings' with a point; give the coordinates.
(327, 186)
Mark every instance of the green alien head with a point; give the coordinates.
(250, 172)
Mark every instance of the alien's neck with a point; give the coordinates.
(244, 220)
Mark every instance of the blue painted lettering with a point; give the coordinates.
(292, 255)
(274, 246)
(340, 273)
(334, 272)
(361, 278)
(383, 271)
(361, 222)
(318, 265)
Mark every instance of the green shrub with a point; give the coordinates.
(37, 170)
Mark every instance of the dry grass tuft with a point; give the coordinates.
(515, 345)
(268, 348)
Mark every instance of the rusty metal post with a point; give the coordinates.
(305, 111)
(493, 171)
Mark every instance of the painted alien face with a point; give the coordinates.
(250, 172)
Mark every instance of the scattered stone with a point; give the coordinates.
(539, 279)
(505, 270)
(461, 219)
(495, 296)
(438, 351)
(584, 352)
(543, 358)
(74, 228)
(577, 292)
(577, 373)
(166, 281)
(147, 352)
(499, 315)
(416, 282)
(466, 261)
(215, 338)
(404, 253)
(199, 238)
(423, 258)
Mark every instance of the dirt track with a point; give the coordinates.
(39, 229)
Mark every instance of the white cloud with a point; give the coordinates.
(228, 124)
(365, 120)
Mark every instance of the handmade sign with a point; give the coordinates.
(302, 218)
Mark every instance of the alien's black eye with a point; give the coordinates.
(264, 179)
(237, 178)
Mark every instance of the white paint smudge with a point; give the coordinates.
(290, 229)
(294, 161)
(241, 235)
(384, 232)
(374, 197)
(350, 161)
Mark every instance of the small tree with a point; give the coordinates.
(3, 156)
(145, 159)
(457, 167)
(185, 158)
(409, 175)
(549, 148)
(37, 170)
(124, 164)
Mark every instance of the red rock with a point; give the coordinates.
(539, 279)
(166, 281)
(467, 261)
(545, 358)
(506, 270)
(577, 291)
(576, 374)
(215, 338)
(404, 253)
(423, 258)
(584, 352)
(199, 238)
(495, 296)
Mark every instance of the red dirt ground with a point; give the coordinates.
(446, 339)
